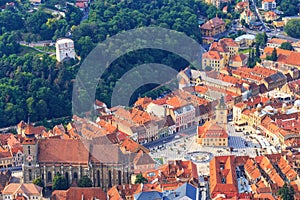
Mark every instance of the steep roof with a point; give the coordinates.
(23, 188)
(211, 130)
(214, 22)
(58, 150)
(213, 55)
(78, 193)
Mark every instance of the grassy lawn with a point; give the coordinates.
(245, 51)
(46, 48)
(25, 50)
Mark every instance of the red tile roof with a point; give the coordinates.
(213, 55)
(213, 23)
(22, 188)
(77, 193)
(223, 178)
(210, 130)
(58, 150)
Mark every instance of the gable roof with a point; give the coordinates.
(77, 193)
(58, 150)
(23, 188)
(213, 23)
(213, 55)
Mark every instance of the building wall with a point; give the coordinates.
(216, 30)
(103, 175)
(269, 6)
(185, 119)
(64, 48)
(216, 65)
(18, 159)
(217, 142)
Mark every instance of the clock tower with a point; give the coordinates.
(30, 149)
(221, 113)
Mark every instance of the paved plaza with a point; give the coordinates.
(243, 145)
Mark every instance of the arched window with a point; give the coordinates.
(67, 177)
(98, 178)
(109, 179)
(29, 150)
(30, 175)
(49, 177)
(75, 176)
(119, 177)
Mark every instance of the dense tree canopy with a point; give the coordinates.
(292, 28)
(59, 183)
(35, 86)
(140, 179)
(261, 39)
(286, 192)
(38, 181)
(85, 181)
(286, 46)
(288, 7)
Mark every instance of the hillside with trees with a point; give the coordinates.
(292, 28)
(33, 85)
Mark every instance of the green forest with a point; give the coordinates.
(33, 85)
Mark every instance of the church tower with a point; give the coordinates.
(221, 113)
(30, 150)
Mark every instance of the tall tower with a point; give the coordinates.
(64, 49)
(30, 165)
(221, 113)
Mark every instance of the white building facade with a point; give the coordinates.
(64, 49)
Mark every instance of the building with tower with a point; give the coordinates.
(64, 49)
(213, 132)
(221, 113)
(106, 164)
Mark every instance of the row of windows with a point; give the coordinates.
(215, 139)
(219, 144)
(30, 197)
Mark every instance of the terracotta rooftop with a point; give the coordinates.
(273, 14)
(238, 57)
(22, 188)
(213, 23)
(251, 169)
(58, 150)
(242, 4)
(143, 102)
(210, 130)
(174, 172)
(223, 177)
(132, 146)
(213, 55)
(77, 193)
